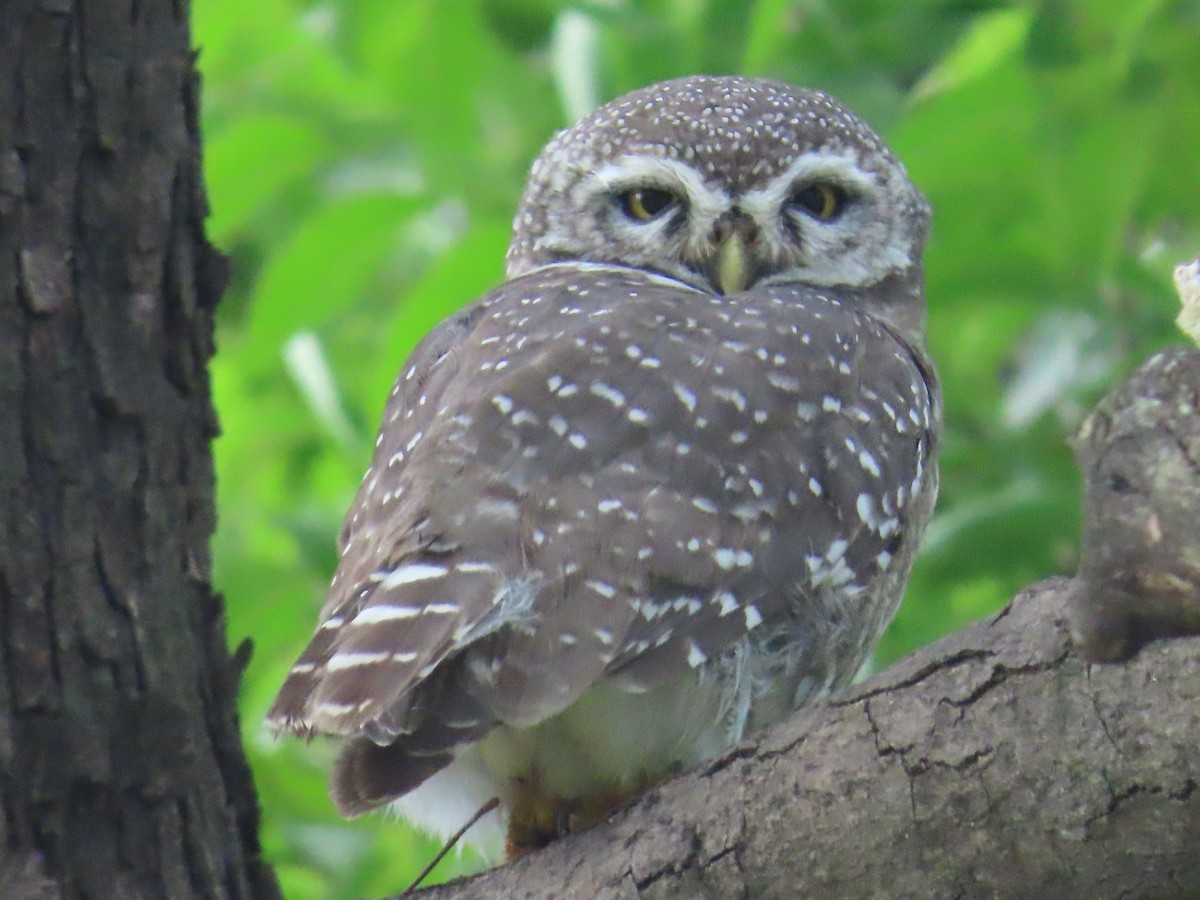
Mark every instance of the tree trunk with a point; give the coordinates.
(121, 769)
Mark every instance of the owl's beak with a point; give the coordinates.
(731, 265)
(734, 266)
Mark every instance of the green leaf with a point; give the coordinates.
(990, 39)
(328, 261)
(573, 53)
(251, 161)
(469, 269)
(768, 31)
(309, 368)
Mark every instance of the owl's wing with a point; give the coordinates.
(434, 550)
(605, 474)
(368, 531)
(804, 548)
(708, 468)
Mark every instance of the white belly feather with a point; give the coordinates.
(609, 738)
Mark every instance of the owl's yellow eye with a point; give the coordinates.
(646, 204)
(821, 200)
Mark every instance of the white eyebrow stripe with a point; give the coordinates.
(634, 171)
(842, 168)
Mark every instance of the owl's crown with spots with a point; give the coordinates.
(663, 177)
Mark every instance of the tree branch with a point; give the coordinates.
(993, 763)
(1139, 567)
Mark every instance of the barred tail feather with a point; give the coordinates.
(362, 666)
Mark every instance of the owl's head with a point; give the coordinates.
(724, 183)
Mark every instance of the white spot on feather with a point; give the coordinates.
(382, 612)
(408, 574)
(348, 660)
(686, 397)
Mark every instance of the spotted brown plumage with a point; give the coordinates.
(650, 493)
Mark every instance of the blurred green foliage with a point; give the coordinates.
(364, 158)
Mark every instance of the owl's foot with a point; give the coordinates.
(539, 818)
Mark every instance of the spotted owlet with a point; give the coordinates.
(661, 487)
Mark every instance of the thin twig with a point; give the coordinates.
(454, 839)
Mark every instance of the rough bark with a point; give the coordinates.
(995, 763)
(121, 771)
(1139, 569)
